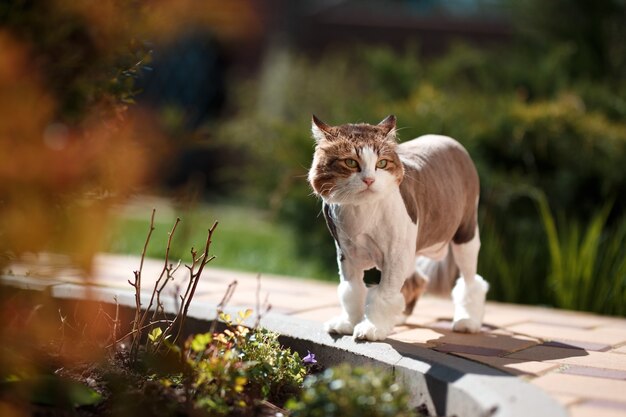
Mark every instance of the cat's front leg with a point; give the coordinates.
(382, 312)
(384, 305)
(351, 293)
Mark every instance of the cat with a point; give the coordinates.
(409, 210)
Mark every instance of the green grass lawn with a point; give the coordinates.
(245, 239)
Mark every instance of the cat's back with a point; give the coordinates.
(440, 188)
(427, 149)
(438, 155)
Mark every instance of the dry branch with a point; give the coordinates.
(137, 286)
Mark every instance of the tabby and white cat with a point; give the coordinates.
(399, 208)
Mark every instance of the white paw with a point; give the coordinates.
(469, 304)
(466, 326)
(366, 330)
(339, 325)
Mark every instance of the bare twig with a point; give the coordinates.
(164, 272)
(227, 296)
(171, 270)
(261, 309)
(116, 320)
(137, 286)
(194, 278)
(225, 299)
(141, 321)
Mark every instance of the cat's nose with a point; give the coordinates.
(368, 180)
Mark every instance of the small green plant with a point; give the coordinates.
(344, 391)
(587, 264)
(273, 369)
(216, 375)
(234, 369)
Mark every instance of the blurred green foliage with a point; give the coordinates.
(587, 266)
(533, 119)
(247, 239)
(85, 63)
(347, 391)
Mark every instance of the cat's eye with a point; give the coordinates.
(382, 163)
(351, 163)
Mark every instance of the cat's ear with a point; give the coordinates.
(388, 124)
(320, 129)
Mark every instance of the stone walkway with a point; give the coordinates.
(579, 359)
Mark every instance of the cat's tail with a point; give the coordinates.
(436, 277)
(440, 275)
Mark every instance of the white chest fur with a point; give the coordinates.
(373, 233)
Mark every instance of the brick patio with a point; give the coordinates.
(577, 358)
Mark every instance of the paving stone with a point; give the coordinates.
(571, 319)
(247, 299)
(552, 316)
(617, 322)
(434, 307)
(419, 320)
(505, 315)
(574, 344)
(531, 313)
(616, 405)
(595, 372)
(474, 350)
(513, 366)
(447, 325)
(436, 336)
(598, 408)
(582, 386)
(491, 340)
(566, 400)
(617, 330)
(606, 360)
(420, 335)
(551, 332)
(502, 318)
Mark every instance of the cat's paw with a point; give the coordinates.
(366, 330)
(466, 326)
(339, 325)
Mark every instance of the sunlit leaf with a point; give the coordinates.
(155, 334)
(201, 341)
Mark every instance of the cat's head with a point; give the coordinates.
(355, 163)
